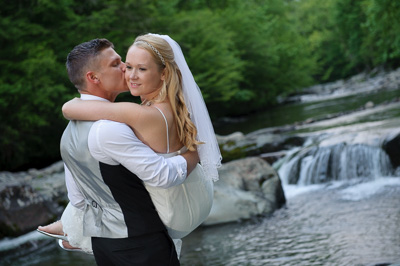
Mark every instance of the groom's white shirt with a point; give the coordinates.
(115, 143)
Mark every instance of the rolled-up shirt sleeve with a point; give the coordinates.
(115, 143)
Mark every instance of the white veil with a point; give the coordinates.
(209, 153)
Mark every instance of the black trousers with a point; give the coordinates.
(146, 250)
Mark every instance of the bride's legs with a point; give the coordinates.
(55, 228)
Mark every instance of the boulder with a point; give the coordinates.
(247, 187)
(265, 141)
(32, 198)
(392, 148)
(22, 210)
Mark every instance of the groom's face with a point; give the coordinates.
(111, 72)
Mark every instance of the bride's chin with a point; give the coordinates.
(133, 93)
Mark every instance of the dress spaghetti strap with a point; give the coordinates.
(166, 124)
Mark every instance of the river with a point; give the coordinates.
(348, 220)
(336, 224)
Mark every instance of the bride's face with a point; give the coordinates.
(142, 74)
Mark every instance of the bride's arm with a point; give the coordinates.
(91, 110)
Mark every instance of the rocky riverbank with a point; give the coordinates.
(246, 188)
(376, 80)
(31, 198)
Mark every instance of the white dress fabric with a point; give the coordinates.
(182, 208)
(72, 221)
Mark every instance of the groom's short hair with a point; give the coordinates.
(83, 58)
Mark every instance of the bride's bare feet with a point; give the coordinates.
(67, 246)
(55, 228)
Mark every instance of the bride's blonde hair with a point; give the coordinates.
(172, 86)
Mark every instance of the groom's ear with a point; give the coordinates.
(92, 78)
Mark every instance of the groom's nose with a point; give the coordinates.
(123, 66)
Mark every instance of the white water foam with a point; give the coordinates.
(348, 189)
(294, 190)
(10, 243)
(367, 189)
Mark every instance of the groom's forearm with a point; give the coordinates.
(192, 159)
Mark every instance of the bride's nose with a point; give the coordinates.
(133, 74)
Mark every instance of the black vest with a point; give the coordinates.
(140, 214)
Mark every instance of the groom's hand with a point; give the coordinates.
(192, 159)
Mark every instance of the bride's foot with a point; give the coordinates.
(67, 246)
(53, 230)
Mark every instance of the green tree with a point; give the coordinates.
(32, 83)
(350, 17)
(382, 43)
(277, 58)
(316, 21)
(210, 53)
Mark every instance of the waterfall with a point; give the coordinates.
(316, 165)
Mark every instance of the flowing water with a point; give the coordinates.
(343, 200)
(349, 223)
(301, 111)
(337, 224)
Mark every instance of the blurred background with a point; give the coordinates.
(311, 86)
(245, 55)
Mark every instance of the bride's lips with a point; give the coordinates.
(134, 85)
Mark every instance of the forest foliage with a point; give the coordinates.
(243, 54)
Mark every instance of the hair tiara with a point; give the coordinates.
(154, 49)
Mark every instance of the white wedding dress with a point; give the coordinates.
(182, 208)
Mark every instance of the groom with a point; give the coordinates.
(105, 161)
